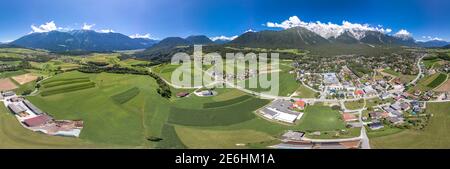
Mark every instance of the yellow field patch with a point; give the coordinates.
(444, 87)
(25, 78)
(7, 84)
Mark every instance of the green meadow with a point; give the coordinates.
(125, 111)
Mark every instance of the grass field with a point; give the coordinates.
(232, 114)
(429, 63)
(437, 81)
(444, 86)
(320, 118)
(166, 71)
(377, 101)
(304, 92)
(12, 73)
(61, 82)
(66, 88)
(227, 93)
(128, 124)
(286, 83)
(126, 95)
(423, 84)
(406, 78)
(204, 138)
(226, 102)
(170, 138)
(353, 105)
(391, 72)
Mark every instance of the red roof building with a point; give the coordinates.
(300, 104)
(37, 121)
(349, 117)
(359, 92)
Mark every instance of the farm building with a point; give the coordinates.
(280, 110)
(33, 108)
(8, 93)
(37, 121)
(16, 109)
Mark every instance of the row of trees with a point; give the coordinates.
(163, 90)
(22, 65)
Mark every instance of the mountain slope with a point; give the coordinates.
(199, 40)
(297, 37)
(346, 37)
(81, 40)
(221, 41)
(433, 43)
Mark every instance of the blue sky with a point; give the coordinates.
(165, 18)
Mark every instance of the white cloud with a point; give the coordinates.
(6, 41)
(402, 33)
(106, 31)
(329, 29)
(146, 36)
(429, 38)
(223, 38)
(250, 30)
(47, 27)
(87, 26)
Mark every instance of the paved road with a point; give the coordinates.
(364, 139)
(420, 71)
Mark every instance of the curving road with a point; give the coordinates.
(420, 71)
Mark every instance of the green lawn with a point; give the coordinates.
(204, 138)
(166, 71)
(229, 102)
(126, 95)
(407, 78)
(320, 118)
(127, 124)
(426, 83)
(435, 134)
(232, 114)
(441, 78)
(353, 105)
(305, 92)
(391, 72)
(286, 83)
(12, 73)
(377, 101)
